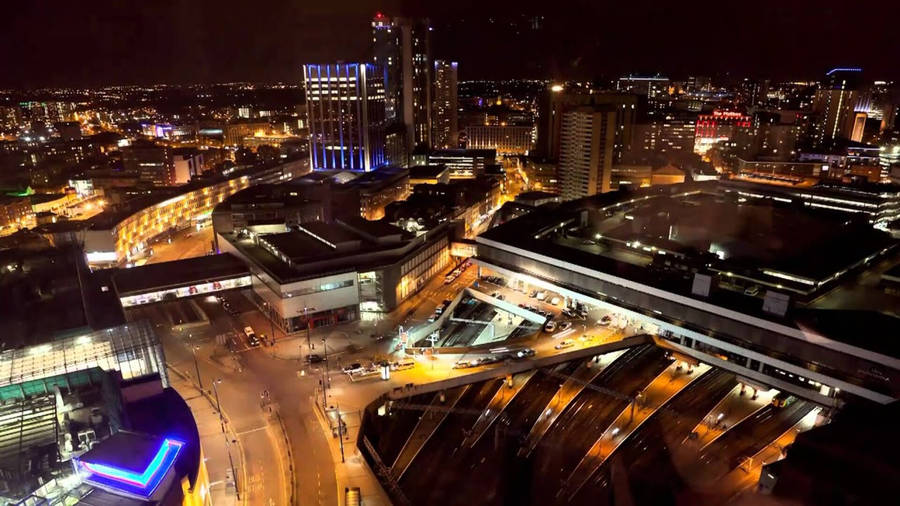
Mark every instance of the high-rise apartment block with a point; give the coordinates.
(835, 105)
(445, 128)
(587, 140)
(402, 47)
(346, 113)
(557, 102)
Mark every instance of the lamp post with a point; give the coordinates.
(218, 405)
(194, 353)
(237, 492)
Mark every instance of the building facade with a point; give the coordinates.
(402, 47)
(151, 162)
(445, 128)
(587, 139)
(346, 110)
(835, 103)
(505, 139)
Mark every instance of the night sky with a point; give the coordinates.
(96, 42)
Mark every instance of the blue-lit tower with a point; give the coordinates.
(346, 113)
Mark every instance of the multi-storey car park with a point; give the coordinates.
(738, 283)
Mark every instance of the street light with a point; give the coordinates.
(218, 405)
(194, 353)
(237, 492)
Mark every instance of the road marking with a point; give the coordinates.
(264, 427)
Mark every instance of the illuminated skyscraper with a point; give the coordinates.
(445, 127)
(346, 111)
(403, 47)
(835, 104)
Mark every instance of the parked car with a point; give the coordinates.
(568, 343)
(312, 358)
(555, 301)
(464, 364)
(550, 326)
(565, 325)
(353, 368)
(605, 320)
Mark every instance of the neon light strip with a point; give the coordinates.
(163, 460)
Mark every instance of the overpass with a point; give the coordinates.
(191, 277)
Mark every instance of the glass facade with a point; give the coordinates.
(346, 110)
(132, 349)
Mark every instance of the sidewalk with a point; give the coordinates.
(354, 471)
(212, 441)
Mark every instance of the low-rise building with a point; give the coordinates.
(320, 273)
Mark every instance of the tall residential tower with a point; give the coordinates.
(402, 46)
(445, 128)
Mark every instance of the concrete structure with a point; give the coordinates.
(326, 273)
(751, 316)
(345, 105)
(587, 138)
(445, 127)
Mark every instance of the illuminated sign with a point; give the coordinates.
(142, 483)
(101, 256)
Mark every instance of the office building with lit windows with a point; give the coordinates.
(505, 139)
(346, 111)
(835, 105)
(445, 128)
(402, 49)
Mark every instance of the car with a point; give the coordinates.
(533, 294)
(352, 368)
(464, 364)
(605, 320)
(527, 352)
(490, 359)
(495, 294)
(555, 301)
(550, 326)
(752, 291)
(565, 325)
(263, 338)
(403, 364)
(568, 313)
(541, 295)
(248, 331)
(568, 343)
(500, 296)
(252, 340)
(312, 358)
(432, 318)
(448, 279)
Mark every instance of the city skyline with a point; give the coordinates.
(200, 42)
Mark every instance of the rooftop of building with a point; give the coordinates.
(316, 249)
(457, 152)
(52, 281)
(426, 171)
(799, 251)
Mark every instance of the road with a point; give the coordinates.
(186, 243)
